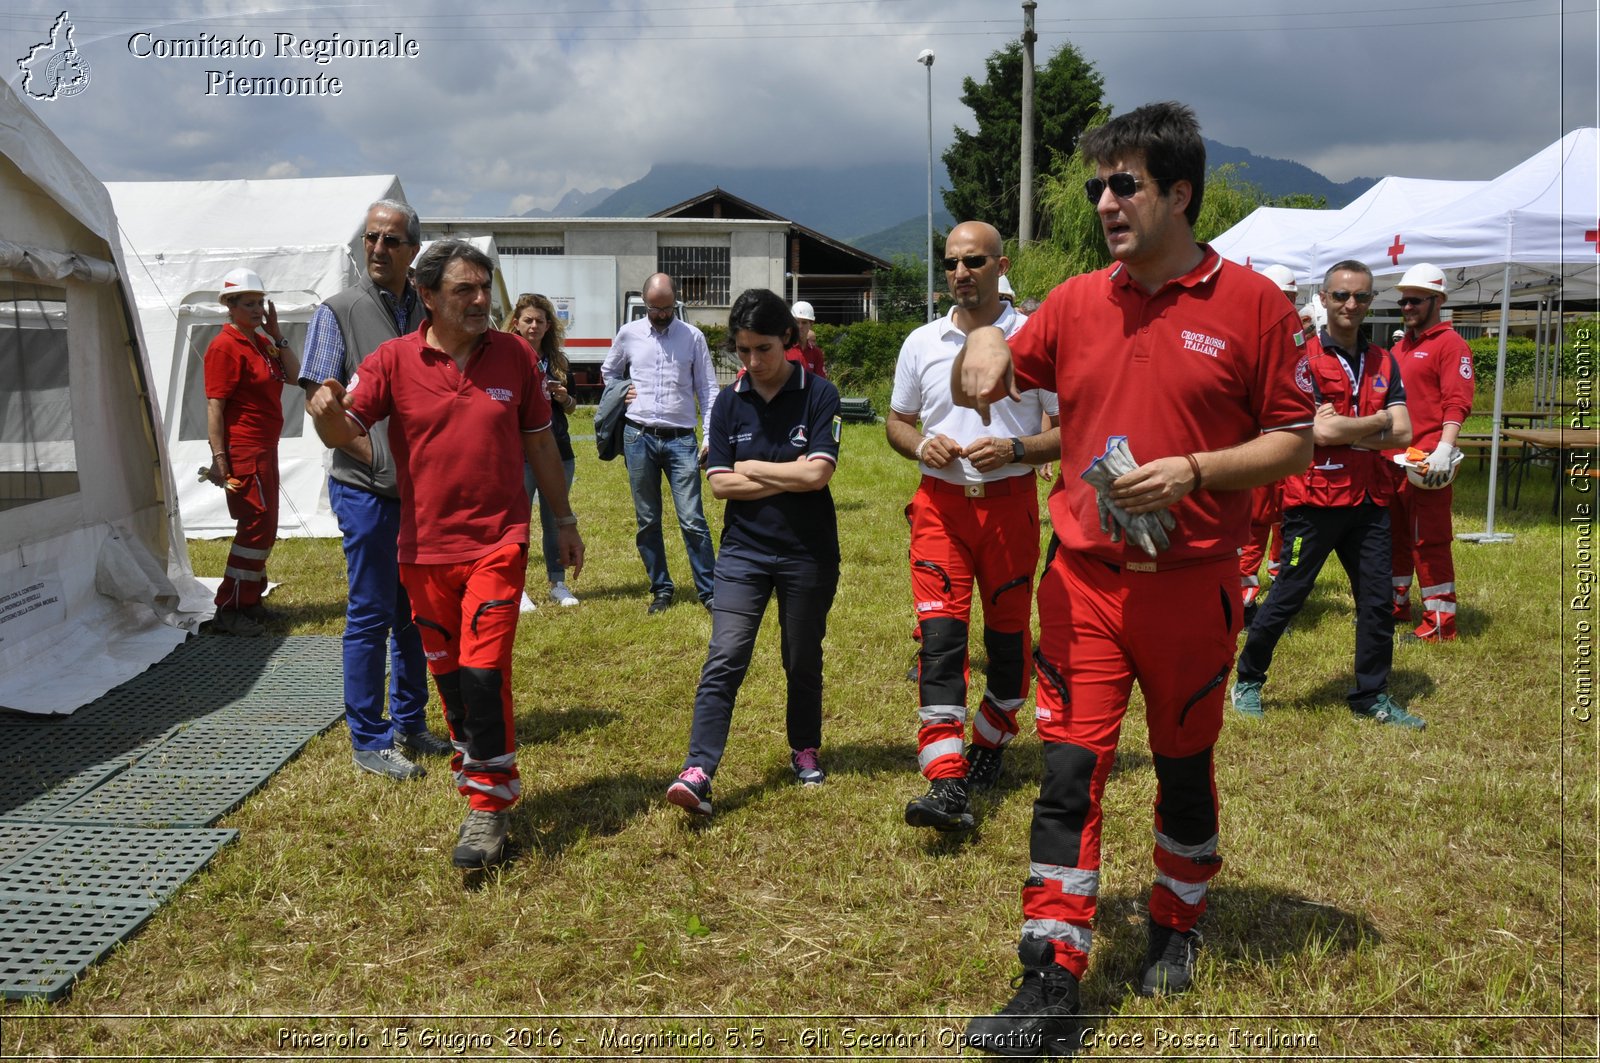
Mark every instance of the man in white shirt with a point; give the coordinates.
(670, 368)
(974, 519)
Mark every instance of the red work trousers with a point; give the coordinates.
(1101, 627)
(1423, 535)
(1266, 516)
(467, 614)
(957, 540)
(255, 506)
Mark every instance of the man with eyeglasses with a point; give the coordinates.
(974, 519)
(1186, 362)
(669, 366)
(365, 498)
(1341, 503)
(1437, 365)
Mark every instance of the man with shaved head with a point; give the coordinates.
(974, 518)
(669, 366)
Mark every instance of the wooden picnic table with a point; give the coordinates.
(1555, 443)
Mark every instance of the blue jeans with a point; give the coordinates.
(745, 583)
(547, 518)
(648, 456)
(377, 623)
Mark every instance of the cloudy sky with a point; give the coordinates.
(506, 105)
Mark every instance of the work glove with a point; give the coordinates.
(1441, 463)
(1147, 531)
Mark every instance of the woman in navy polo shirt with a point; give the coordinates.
(773, 446)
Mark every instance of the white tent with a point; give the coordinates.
(1529, 234)
(95, 584)
(1298, 238)
(304, 238)
(1538, 217)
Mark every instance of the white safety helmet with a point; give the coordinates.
(802, 311)
(241, 281)
(1283, 277)
(1399, 334)
(1418, 476)
(1006, 290)
(1424, 276)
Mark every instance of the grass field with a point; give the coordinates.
(1385, 895)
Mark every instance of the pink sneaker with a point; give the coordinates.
(691, 792)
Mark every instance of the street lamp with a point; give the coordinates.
(925, 57)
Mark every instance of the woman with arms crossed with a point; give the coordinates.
(773, 446)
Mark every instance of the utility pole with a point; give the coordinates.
(1025, 194)
(925, 57)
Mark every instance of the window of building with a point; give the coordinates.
(532, 249)
(38, 452)
(700, 274)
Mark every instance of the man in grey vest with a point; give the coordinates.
(361, 489)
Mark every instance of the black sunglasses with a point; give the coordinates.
(1412, 300)
(1342, 296)
(1122, 186)
(969, 261)
(388, 239)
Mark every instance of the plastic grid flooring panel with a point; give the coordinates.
(157, 797)
(46, 942)
(118, 863)
(180, 745)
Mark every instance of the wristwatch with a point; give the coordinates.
(1017, 450)
(282, 343)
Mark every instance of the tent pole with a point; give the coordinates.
(1488, 535)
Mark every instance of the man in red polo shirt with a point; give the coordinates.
(1187, 362)
(1436, 364)
(466, 406)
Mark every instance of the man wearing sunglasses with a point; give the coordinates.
(1437, 365)
(1341, 503)
(974, 518)
(379, 634)
(1186, 362)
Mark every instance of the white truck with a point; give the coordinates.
(583, 289)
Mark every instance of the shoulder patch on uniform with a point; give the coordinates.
(1466, 367)
(1300, 338)
(1302, 374)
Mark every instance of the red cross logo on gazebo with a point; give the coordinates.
(1593, 236)
(1395, 250)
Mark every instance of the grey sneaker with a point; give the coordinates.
(233, 622)
(562, 595)
(1168, 960)
(483, 839)
(1247, 699)
(1387, 710)
(983, 767)
(423, 743)
(390, 763)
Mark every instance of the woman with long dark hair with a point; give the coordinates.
(534, 319)
(773, 446)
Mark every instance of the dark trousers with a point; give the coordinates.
(745, 583)
(1359, 535)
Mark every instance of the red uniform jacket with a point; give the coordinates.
(1345, 475)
